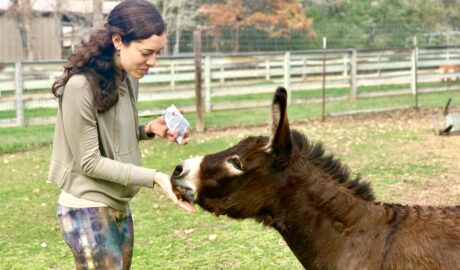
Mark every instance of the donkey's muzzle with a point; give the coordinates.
(179, 183)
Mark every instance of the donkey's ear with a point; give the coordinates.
(281, 145)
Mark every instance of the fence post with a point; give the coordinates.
(19, 90)
(267, 69)
(222, 76)
(353, 72)
(414, 70)
(207, 83)
(323, 115)
(447, 48)
(173, 72)
(287, 74)
(304, 69)
(198, 81)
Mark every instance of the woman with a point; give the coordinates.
(96, 160)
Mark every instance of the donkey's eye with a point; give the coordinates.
(235, 162)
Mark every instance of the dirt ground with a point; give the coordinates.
(427, 148)
(443, 189)
(440, 190)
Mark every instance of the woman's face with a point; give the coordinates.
(138, 56)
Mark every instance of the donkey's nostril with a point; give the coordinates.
(178, 170)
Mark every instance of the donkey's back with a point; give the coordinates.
(422, 237)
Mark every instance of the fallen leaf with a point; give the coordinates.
(178, 233)
(189, 231)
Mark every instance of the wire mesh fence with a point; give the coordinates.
(55, 39)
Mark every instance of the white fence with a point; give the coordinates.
(27, 85)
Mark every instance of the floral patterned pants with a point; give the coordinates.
(99, 237)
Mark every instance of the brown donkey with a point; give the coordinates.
(328, 219)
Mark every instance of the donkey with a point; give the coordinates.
(329, 219)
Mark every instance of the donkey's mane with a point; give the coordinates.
(316, 154)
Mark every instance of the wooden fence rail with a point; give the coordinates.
(27, 85)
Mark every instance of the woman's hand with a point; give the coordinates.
(164, 181)
(159, 128)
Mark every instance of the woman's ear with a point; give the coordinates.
(117, 41)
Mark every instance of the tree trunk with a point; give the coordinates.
(58, 24)
(237, 38)
(177, 42)
(178, 27)
(23, 18)
(164, 14)
(97, 14)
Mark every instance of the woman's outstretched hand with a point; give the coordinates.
(164, 181)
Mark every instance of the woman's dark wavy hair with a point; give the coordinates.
(132, 20)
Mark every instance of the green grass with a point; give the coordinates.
(37, 112)
(296, 94)
(22, 138)
(18, 139)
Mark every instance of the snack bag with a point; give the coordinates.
(176, 122)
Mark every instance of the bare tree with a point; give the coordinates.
(22, 13)
(58, 21)
(98, 17)
(166, 14)
(179, 15)
(187, 12)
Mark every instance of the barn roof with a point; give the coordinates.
(72, 6)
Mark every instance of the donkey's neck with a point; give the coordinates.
(321, 225)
